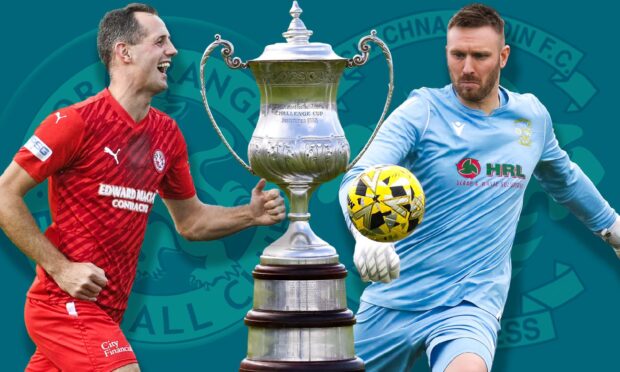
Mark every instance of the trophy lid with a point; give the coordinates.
(297, 46)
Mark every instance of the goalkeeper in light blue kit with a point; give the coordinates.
(474, 146)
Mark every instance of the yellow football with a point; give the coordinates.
(386, 203)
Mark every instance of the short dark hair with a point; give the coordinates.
(120, 25)
(477, 15)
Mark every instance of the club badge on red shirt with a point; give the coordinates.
(159, 160)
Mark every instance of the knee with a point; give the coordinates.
(128, 368)
(467, 362)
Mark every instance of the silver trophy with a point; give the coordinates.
(300, 319)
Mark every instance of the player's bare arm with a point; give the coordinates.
(195, 220)
(80, 280)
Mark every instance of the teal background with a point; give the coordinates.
(561, 314)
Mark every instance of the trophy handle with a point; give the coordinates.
(234, 63)
(359, 60)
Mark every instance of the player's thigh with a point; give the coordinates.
(90, 338)
(40, 363)
(462, 336)
(128, 368)
(467, 362)
(385, 339)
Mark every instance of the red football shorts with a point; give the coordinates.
(76, 336)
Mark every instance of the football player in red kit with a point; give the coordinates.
(106, 159)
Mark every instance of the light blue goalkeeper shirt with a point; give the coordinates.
(474, 169)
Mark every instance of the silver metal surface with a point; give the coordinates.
(300, 344)
(298, 144)
(359, 60)
(274, 260)
(298, 137)
(300, 295)
(298, 46)
(227, 51)
(297, 32)
(299, 244)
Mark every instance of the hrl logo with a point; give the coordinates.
(505, 170)
(468, 167)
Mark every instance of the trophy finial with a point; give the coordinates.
(297, 32)
(295, 10)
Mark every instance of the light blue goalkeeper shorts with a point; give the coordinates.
(390, 340)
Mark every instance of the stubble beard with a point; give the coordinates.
(476, 95)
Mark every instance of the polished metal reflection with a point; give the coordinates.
(298, 137)
(299, 144)
(300, 344)
(300, 295)
(299, 245)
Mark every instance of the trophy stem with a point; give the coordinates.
(299, 320)
(299, 195)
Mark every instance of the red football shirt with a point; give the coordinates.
(104, 172)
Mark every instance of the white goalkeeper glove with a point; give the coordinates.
(612, 236)
(376, 262)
